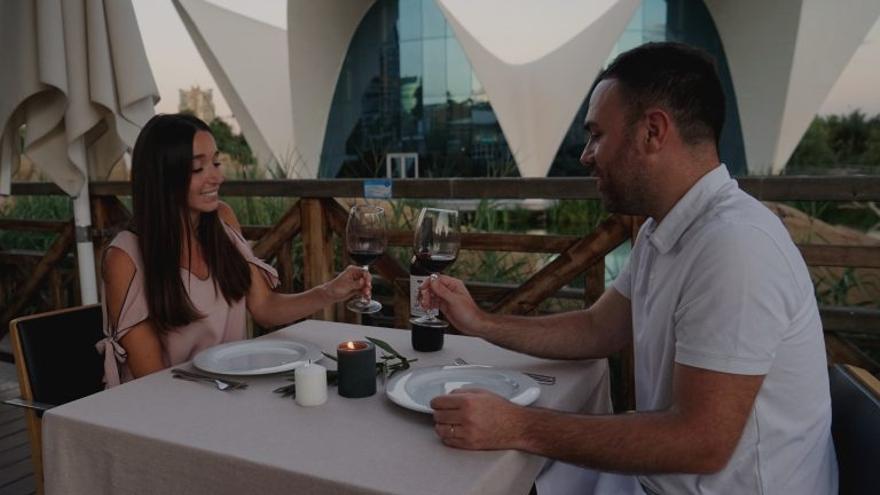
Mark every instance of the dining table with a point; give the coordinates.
(160, 435)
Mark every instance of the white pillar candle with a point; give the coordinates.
(311, 384)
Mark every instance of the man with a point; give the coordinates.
(731, 378)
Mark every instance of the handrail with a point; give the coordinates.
(851, 319)
(32, 225)
(783, 188)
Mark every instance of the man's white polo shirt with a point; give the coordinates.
(720, 285)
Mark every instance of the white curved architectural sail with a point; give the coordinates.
(784, 57)
(319, 34)
(537, 61)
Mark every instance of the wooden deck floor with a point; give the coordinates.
(16, 471)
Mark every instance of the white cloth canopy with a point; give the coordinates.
(75, 73)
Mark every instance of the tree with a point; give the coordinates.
(814, 150)
(848, 136)
(229, 142)
(871, 157)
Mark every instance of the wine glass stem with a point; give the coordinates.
(364, 299)
(432, 313)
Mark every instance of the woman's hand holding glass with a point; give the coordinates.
(351, 282)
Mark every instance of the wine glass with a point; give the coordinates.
(365, 241)
(435, 245)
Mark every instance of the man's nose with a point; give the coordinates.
(588, 157)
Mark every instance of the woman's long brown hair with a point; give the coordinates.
(161, 171)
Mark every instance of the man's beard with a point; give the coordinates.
(624, 188)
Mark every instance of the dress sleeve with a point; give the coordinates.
(133, 311)
(269, 273)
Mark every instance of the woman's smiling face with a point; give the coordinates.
(204, 186)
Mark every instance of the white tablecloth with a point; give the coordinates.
(166, 436)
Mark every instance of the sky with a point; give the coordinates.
(173, 57)
(176, 63)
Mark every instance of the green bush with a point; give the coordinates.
(33, 208)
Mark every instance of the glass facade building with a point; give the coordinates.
(406, 86)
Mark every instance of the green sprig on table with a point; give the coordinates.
(393, 361)
(389, 364)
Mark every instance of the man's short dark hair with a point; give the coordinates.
(681, 79)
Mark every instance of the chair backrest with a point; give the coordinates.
(855, 425)
(58, 354)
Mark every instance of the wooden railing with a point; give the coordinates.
(317, 216)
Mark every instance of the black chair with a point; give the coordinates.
(855, 425)
(57, 362)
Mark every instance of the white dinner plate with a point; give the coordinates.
(256, 357)
(415, 388)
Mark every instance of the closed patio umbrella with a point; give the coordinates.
(76, 75)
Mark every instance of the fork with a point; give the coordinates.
(221, 384)
(542, 379)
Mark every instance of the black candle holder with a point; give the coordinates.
(356, 361)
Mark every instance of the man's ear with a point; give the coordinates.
(658, 124)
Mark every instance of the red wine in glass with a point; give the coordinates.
(435, 263)
(364, 257)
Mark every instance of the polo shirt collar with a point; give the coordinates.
(693, 204)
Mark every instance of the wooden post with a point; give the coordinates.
(317, 250)
(285, 265)
(401, 306)
(345, 315)
(594, 282)
(55, 298)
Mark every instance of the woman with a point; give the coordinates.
(179, 280)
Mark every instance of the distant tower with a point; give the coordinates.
(198, 101)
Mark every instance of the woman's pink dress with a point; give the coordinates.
(222, 322)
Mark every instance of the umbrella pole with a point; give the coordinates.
(85, 253)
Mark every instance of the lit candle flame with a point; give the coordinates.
(352, 345)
